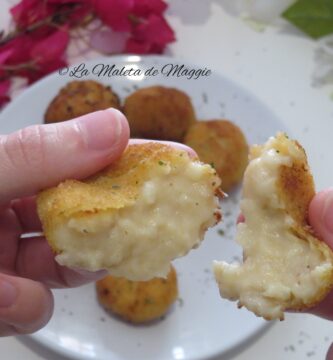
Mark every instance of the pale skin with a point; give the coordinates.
(42, 156)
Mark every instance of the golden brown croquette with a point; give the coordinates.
(159, 112)
(79, 98)
(223, 145)
(138, 301)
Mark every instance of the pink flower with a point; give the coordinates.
(144, 8)
(28, 12)
(5, 54)
(19, 50)
(114, 13)
(61, 2)
(151, 36)
(41, 71)
(4, 88)
(137, 47)
(50, 48)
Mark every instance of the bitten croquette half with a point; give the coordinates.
(285, 265)
(133, 218)
(79, 98)
(222, 144)
(138, 301)
(158, 112)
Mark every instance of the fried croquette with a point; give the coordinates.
(222, 144)
(159, 112)
(285, 266)
(138, 301)
(133, 218)
(79, 98)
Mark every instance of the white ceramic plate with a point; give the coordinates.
(200, 325)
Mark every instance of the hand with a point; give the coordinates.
(32, 159)
(321, 219)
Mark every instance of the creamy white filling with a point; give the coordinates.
(168, 219)
(277, 264)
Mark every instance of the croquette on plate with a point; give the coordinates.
(222, 144)
(285, 265)
(79, 98)
(133, 218)
(160, 113)
(138, 301)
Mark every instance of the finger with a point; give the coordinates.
(35, 260)
(321, 215)
(324, 309)
(180, 146)
(43, 155)
(321, 219)
(26, 212)
(10, 232)
(25, 305)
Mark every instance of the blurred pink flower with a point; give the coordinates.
(28, 12)
(114, 13)
(150, 36)
(51, 48)
(4, 87)
(144, 8)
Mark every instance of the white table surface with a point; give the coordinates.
(277, 66)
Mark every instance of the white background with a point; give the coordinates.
(277, 66)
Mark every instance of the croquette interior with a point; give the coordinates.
(151, 206)
(285, 266)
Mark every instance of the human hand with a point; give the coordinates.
(32, 159)
(321, 220)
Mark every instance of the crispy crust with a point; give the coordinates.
(79, 98)
(221, 143)
(159, 112)
(138, 301)
(113, 188)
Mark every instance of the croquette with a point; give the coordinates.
(138, 301)
(160, 113)
(79, 98)
(133, 218)
(285, 266)
(223, 145)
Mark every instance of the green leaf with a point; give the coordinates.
(314, 17)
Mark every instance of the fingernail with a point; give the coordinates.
(8, 294)
(101, 130)
(328, 212)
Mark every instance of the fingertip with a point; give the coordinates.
(124, 133)
(321, 214)
(29, 308)
(315, 209)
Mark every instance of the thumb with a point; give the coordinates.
(321, 215)
(41, 156)
(25, 305)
